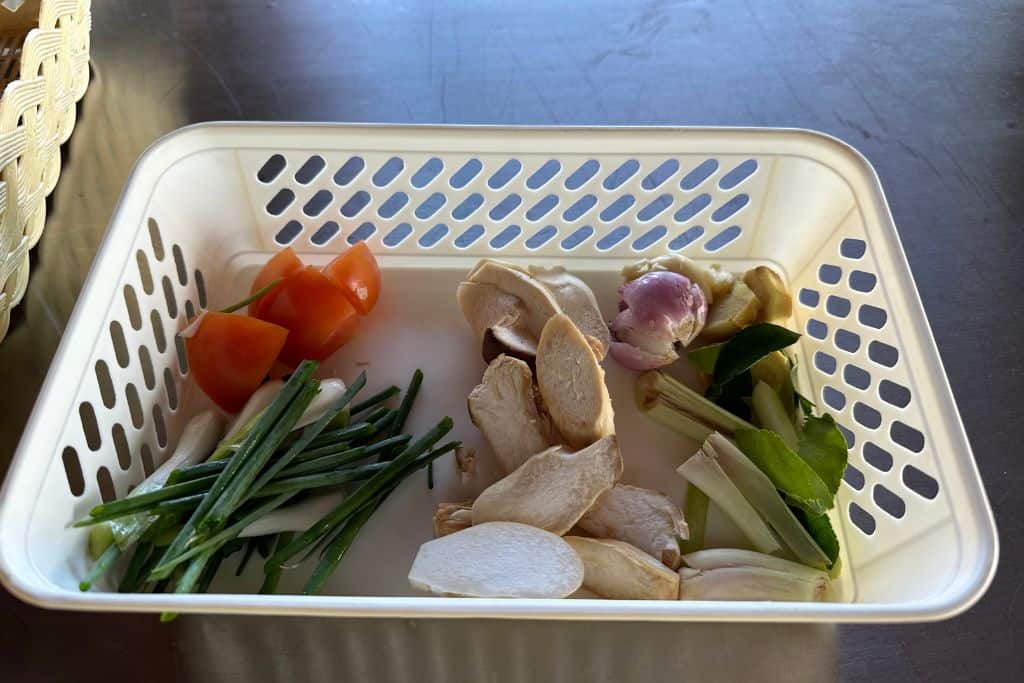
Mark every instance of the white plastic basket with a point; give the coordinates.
(205, 206)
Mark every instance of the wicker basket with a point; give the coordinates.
(44, 71)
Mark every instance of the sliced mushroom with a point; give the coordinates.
(578, 302)
(729, 315)
(452, 517)
(675, 263)
(620, 571)
(503, 408)
(538, 304)
(553, 488)
(498, 319)
(641, 517)
(776, 303)
(571, 383)
(498, 560)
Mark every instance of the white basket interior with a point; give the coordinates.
(431, 204)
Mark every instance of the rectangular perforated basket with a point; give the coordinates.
(206, 205)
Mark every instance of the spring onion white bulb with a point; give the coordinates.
(298, 517)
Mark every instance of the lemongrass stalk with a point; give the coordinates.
(695, 513)
(758, 489)
(719, 558)
(703, 471)
(678, 407)
(771, 414)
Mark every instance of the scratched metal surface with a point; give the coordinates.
(932, 91)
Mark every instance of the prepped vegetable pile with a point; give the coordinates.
(302, 465)
(560, 523)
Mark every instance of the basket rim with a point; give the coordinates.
(113, 252)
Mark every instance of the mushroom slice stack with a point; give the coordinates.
(497, 317)
(617, 570)
(571, 382)
(498, 560)
(552, 489)
(579, 303)
(641, 517)
(503, 407)
(508, 306)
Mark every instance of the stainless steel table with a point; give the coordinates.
(931, 90)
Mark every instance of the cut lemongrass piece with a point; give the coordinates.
(749, 583)
(758, 490)
(771, 414)
(676, 406)
(703, 471)
(720, 558)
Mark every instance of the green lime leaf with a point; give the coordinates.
(823, 447)
(789, 473)
(705, 357)
(820, 529)
(746, 348)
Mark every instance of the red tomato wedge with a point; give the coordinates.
(283, 264)
(357, 273)
(316, 312)
(229, 356)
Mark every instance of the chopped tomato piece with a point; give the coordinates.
(283, 264)
(229, 356)
(356, 271)
(316, 312)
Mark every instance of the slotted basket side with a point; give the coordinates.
(37, 115)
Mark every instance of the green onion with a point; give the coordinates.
(250, 548)
(252, 442)
(203, 469)
(133, 575)
(133, 504)
(350, 433)
(340, 545)
(376, 414)
(380, 481)
(100, 567)
(308, 435)
(211, 570)
(273, 577)
(252, 297)
(235, 493)
(225, 535)
(410, 397)
(313, 481)
(372, 401)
